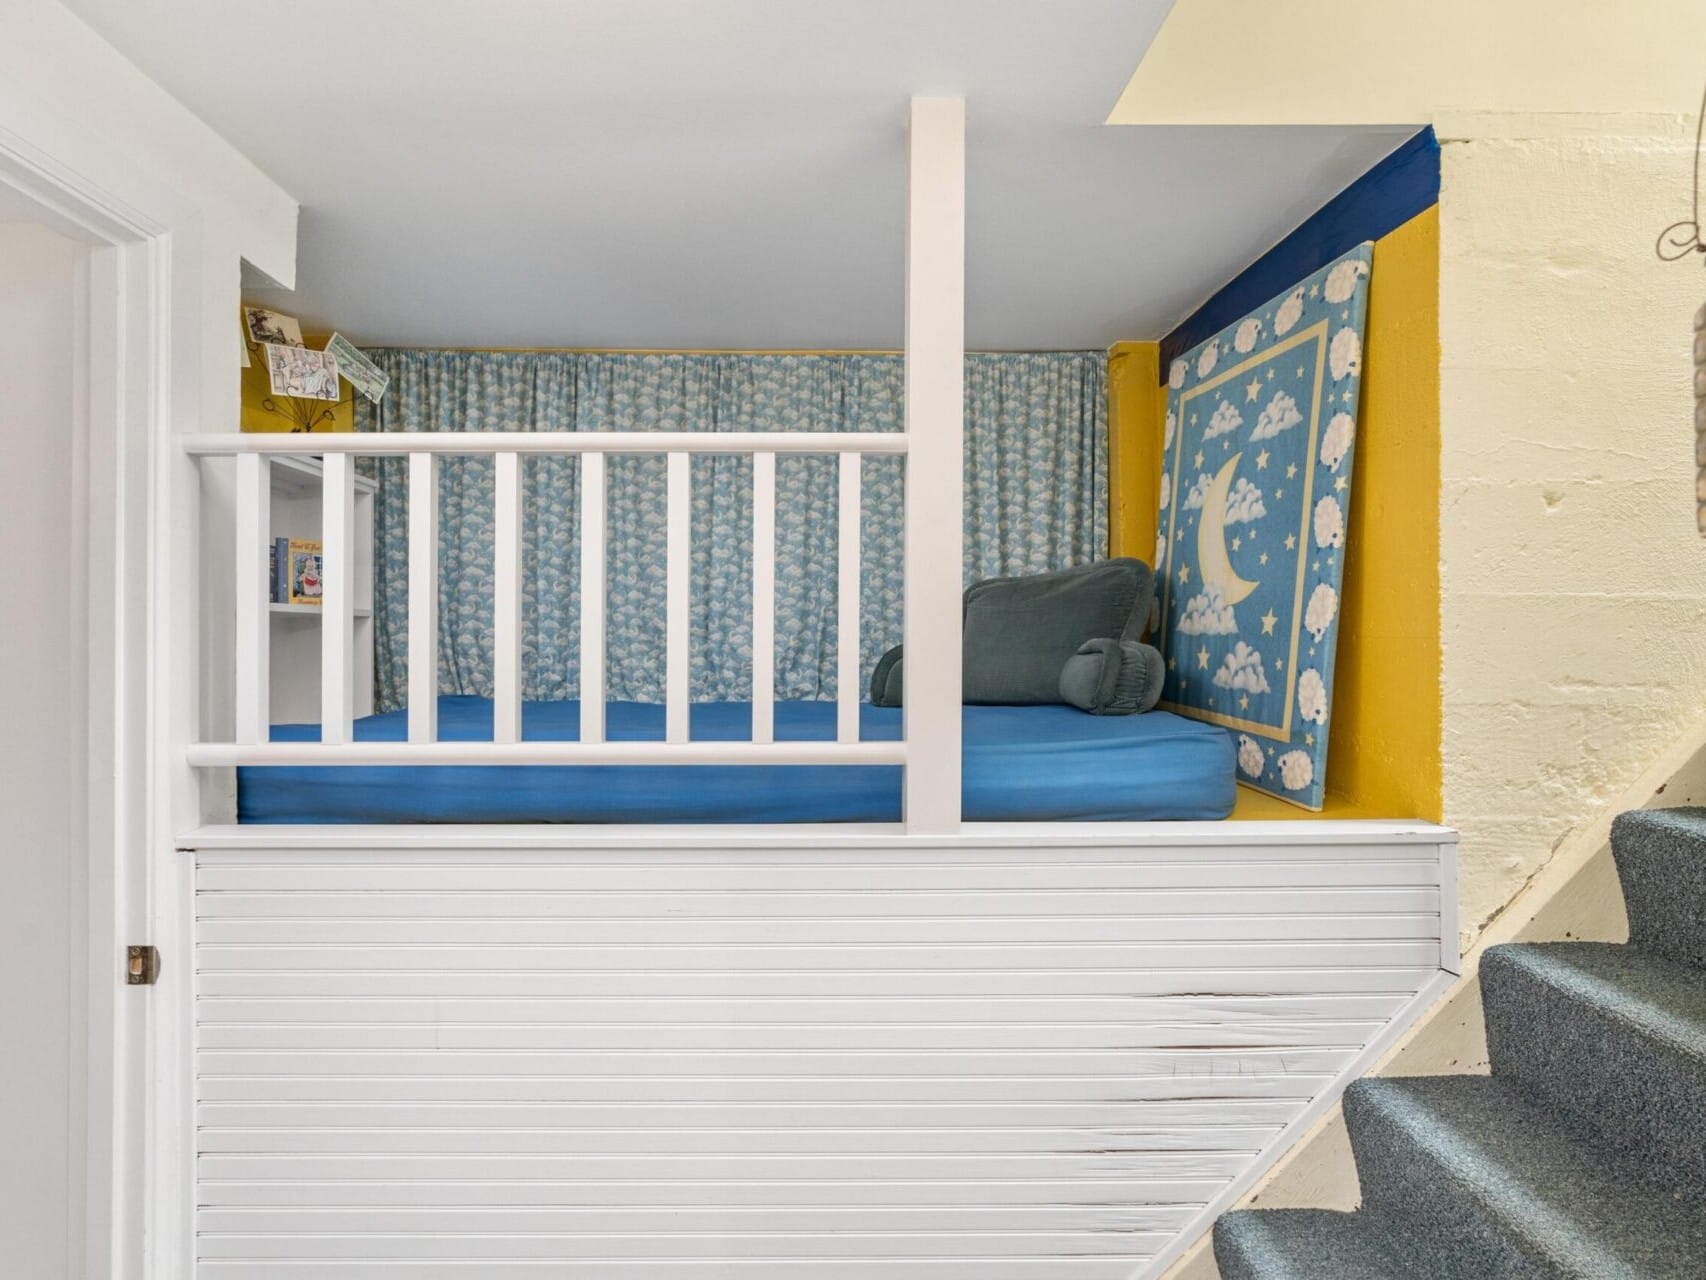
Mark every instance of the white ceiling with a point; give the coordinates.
(721, 173)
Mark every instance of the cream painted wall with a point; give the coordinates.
(41, 856)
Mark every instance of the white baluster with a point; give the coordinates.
(847, 674)
(254, 627)
(337, 600)
(679, 553)
(592, 597)
(423, 597)
(764, 597)
(506, 598)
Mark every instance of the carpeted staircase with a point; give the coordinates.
(1582, 1155)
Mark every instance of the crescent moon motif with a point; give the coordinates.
(1212, 561)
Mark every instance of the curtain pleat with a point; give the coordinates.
(1036, 499)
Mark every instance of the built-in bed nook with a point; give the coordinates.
(588, 889)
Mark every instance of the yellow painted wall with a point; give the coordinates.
(1383, 759)
(1135, 398)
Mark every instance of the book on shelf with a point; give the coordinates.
(278, 560)
(307, 583)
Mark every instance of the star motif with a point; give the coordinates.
(1264, 557)
(1278, 494)
(1314, 291)
(1347, 396)
(1185, 574)
(1262, 460)
(1270, 375)
(1253, 389)
(1345, 314)
(1339, 484)
(1268, 620)
(1193, 419)
(1202, 659)
(1291, 542)
(1172, 664)
(1199, 457)
(1243, 702)
(1317, 566)
(1279, 664)
(1300, 371)
(1308, 739)
(1226, 444)
(1291, 471)
(1236, 543)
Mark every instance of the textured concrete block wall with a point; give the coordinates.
(1573, 579)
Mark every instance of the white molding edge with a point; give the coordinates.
(1325, 1101)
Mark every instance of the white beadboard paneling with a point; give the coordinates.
(864, 1061)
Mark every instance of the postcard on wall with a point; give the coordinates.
(264, 325)
(365, 376)
(297, 371)
(307, 586)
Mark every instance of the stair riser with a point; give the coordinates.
(1462, 1236)
(1662, 866)
(1640, 1096)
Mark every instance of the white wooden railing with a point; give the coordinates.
(337, 743)
(932, 442)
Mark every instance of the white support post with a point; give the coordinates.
(847, 664)
(592, 597)
(506, 599)
(935, 409)
(254, 630)
(423, 597)
(676, 652)
(763, 597)
(337, 600)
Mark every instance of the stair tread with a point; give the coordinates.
(1656, 997)
(1307, 1244)
(1586, 1215)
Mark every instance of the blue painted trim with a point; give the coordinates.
(1402, 185)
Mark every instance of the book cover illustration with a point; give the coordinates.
(307, 585)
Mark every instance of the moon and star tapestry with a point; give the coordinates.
(1255, 498)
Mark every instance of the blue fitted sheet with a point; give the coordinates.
(1042, 764)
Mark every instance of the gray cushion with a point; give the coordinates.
(1020, 631)
(1113, 678)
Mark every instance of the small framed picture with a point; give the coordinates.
(265, 325)
(299, 372)
(307, 583)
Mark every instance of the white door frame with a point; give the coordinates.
(120, 415)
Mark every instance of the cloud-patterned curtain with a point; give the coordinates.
(1036, 499)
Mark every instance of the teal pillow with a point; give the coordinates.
(1113, 678)
(1019, 632)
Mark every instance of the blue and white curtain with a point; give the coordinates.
(1036, 499)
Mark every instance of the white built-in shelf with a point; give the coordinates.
(302, 477)
(313, 610)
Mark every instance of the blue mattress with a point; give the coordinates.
(1043, 764)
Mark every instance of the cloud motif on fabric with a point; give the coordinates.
(1297, 770)
(1176, 374)
(1342, 280)
(1208, 358)
(1312, 697)
(1244, 503)
(1160, 546)
(1242, 671)
(1208, 614)
(1250, 756)
(1282, 414)
(1336, 440)
(1225, 421)
(1248, 335)
(1289, 313)
(1323, 608)
(1344, 356)
(1199, 492)
(1166, 490)
(1329, 523)
(1172, 425)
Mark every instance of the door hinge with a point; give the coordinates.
(142, 966)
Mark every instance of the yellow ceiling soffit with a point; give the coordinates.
(1334, 62)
